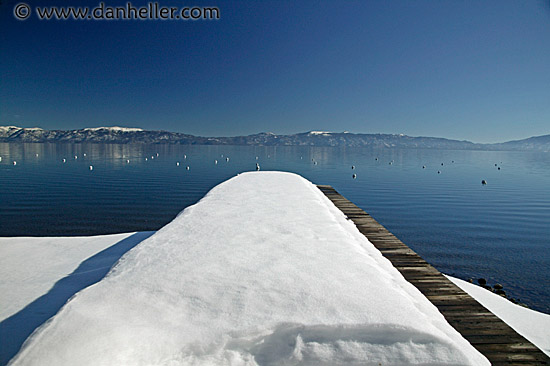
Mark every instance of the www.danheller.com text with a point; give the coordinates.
(152, 11)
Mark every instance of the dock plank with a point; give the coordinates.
(495, 339)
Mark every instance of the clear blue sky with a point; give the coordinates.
(464, 69)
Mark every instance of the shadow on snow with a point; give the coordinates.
(18, 327)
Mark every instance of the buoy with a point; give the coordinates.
(75, 157)
(215, 162)
(185, 156)
(375, 158)
(495, 164)
(352, 167)
(84, 155)
(36, 155)
(438, 172)
(226, 159)
(187, 167)
(127, 161)
(64, 160)
(314, 163)
(145, 159)
(256, 158)
(91, 167)
(423, 166)
(484, 182)
(157, 154)
(354, 176)
(441, 164)
(178, 163)
(152, 158)
(0, 158)
(390, 163)
(498, 168)
(14, 162)
(257, 166)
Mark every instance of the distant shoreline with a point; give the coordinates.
(124, 135)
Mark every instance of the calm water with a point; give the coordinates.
(500, 231)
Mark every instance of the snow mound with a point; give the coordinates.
(264, 270)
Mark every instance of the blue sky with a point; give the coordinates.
(468, 69)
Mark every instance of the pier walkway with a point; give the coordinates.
(501, 344)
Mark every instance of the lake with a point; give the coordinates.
(499, 231)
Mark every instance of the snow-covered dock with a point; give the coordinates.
(264, 270)
(501, 344)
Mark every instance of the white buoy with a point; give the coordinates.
(314, 163)
(152, 158)
(157, 154)
(438, 172)
(178, 163)
(64, 160)
(0, 158)
(187, 167)
(221, 155)
(227, 159)
(354, 176)
(352, 167)
(127, 161)
(215, 162)
(75, 157)
(84, 154)
(257, 166)
(36, 155)
(145, 159)
(184, 156)
(423, 166)
(256, 158)
(14, 162)
(91, 167)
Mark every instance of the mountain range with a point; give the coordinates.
(123, 135)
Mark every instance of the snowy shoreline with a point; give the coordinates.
(252, 249)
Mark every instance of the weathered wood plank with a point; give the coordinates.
(485, 331)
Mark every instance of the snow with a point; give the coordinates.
(33, 129)
(31, 266)
(533, 325)
(323, 133)
(7, 128)
(264, 270)
(114, 128)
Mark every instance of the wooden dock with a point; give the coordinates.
(486, 332)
